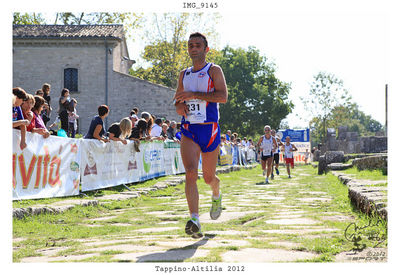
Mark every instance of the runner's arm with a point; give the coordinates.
(180, 106)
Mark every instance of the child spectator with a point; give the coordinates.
(19, 95)
(72, 118)
(47, 107)
(26, 107)
(119, 131)
(164, 133)
(139, 131)
(39, 127)
(96, 128)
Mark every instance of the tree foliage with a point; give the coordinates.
(166, 51)
(28, 18)
(256, 96)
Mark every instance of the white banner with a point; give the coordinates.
(113, 163)
(299, 155)
(46, 167)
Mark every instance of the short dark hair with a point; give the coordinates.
(102, 110)
(19, 92)
(136, 110)
(46, 86)
(39, 101)
(64, 91)
(158, 121)
(197, 34)
(38, 92)
(141, 124)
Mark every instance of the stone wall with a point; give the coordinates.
(372, 163)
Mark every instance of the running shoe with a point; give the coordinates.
(193, 228)
(277, 171)
(216, 208)
(290, 177)
(272, 176)
(266, 181)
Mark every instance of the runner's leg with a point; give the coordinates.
(269, 166)
(190, 152)
(209, 165)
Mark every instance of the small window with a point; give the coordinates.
(71, 79)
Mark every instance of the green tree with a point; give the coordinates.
(28, 18)
(165, 54)
(326, 92)
(256, 96)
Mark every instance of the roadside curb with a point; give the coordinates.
(68, 204)
(366, 198)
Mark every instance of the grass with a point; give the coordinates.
(375, 175)
(70, 228)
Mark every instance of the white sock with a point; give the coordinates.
(216, 198)
(196, 216)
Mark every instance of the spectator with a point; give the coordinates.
(156, 129)
(96, 128)
(26, 107)
(46, 108)
(172, 130)
(19, 95)
(39, 127)
(136, 110)
(228, 135)
(72, 118)
(119, 131)
(164, 134)
(46, 95)
(133, 117)
(139, 131)
(62, 109)
(167, 122)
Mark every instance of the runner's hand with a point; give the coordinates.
(183, 95)
(182, 109)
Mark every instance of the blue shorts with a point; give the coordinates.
(207, 136)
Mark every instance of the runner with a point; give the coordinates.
(267, 145)
(289, 148)
(200, 89)
(276, 152)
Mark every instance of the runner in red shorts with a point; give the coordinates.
(289, 148)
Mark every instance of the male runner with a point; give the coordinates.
(289, 148)
(200, 89)
(275, 161)
(267, 145)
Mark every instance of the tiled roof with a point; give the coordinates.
(68, 31)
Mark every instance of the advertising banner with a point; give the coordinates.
(114, 163)
(295, 135)
(46, 167)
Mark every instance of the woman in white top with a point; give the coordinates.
(289, 148)
(267, 145)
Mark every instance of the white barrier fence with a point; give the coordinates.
(56, 166)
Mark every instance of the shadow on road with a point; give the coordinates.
(176, 254)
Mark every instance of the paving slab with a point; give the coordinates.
(157, 229)
(173, 255)
(288, 221)
(255, 255)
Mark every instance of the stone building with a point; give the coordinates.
(351, 142)
(93, 62)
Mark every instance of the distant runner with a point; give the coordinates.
(276, 152)
(289, 148)
(267, 145)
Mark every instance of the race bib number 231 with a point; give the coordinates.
(197, 111)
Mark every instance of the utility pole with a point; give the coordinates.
(386, 108)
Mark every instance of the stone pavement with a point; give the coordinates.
(260, 223)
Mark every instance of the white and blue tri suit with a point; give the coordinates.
(201, 123)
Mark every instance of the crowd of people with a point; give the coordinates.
(32, 113)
